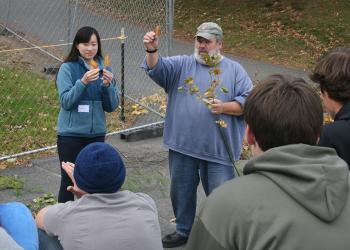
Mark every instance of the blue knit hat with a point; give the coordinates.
(99, 169)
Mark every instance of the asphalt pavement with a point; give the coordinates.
(147, 171)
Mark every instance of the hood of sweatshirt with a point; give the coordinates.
(315, 177)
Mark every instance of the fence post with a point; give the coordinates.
(169, 21)
(122, 38)
(71, 20)
(69, 23)
(7, 16)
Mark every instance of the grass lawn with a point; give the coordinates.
(29, 110)
(287, 32)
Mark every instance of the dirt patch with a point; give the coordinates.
(29, 60)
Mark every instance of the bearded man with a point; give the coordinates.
(196, 147)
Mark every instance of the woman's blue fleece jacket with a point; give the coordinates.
(83, 107)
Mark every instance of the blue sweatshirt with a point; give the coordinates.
(190, 126)
(83, 107)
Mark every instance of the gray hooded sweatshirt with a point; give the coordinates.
(291, 197)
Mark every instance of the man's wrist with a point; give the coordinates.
(151, 51)
(223, 110)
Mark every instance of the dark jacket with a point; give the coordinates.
(337, 134)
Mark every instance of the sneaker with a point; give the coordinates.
(174, 240)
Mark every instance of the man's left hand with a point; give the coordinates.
(227, 108)
(217, 106)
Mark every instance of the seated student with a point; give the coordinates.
(17, 227)
(293, 195)
(103, 217)
(332, 73)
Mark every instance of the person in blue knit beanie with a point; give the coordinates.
(102, 216)
(98, 169)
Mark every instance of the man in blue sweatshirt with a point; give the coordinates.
(191, 133)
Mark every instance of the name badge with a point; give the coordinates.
(83, 108)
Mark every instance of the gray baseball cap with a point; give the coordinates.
(209, 30)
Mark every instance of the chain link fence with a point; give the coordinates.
(35, 37)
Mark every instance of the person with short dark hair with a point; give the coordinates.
(103, 217)
(294, 194)
(197, 151)
(332, 73)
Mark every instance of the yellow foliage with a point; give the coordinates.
(222, 123)
(106, 61)
(327, 118)
(216, 71)
(158, 100)
(93, 64)
(157, 30)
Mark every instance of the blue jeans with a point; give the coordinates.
(185, 173)
(47, 242)
(18, 221)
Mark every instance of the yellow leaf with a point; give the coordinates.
(224, 90)
(222, 123)
(216, 71)
(106, 61)
(135, 112)
(215, 84)
(209, 93)
(157, 30)
(143, 111)
(327, 119)
(180, 89)
(93, 64)
(194, 89)
(189, 81)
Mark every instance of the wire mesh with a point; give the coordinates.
(27, 89)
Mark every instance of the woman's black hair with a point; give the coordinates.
(83, 36)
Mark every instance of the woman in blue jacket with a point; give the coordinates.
(86, 92)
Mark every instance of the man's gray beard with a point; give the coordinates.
(214, 52)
